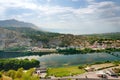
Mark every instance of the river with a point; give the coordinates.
(58, 60)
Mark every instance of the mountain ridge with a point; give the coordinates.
(16, 23)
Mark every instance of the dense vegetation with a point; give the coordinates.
(16, 48)
(86, 50)
(7, 64)
(19, 74)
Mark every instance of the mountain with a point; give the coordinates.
(12, 39)
(16, 23)
(28, 30)
(17, 33)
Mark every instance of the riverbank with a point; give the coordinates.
(86, 50)
(66, 51)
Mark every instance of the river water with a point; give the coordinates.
(58, 60)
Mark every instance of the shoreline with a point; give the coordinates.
(70, 51)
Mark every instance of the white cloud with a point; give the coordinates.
(48, 0)
(18, 4)
(75, 0)
(59, 17)
(51, 10)
(90, 1)
(2, 10)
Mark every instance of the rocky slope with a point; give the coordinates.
(10, 38)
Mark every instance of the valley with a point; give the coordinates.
(57, 51)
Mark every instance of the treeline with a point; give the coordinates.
(86, 50)
(7, 64)
(76, 51)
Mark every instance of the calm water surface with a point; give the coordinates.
(58, 60)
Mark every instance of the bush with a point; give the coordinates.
(80, 67)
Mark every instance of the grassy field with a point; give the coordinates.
(65, 71)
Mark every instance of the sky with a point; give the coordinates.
(65, 16)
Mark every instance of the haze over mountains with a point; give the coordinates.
(16, 23)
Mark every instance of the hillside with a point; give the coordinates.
(113, 36)
(10, 39)
(22, 31)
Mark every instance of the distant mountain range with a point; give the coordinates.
(16, 23)
(14, 33)
(18, 26)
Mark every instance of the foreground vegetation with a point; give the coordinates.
(18, 69)
(7, 64)
(65, 71)
(19, 74)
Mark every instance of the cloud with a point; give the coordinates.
(2, 10)
(52, 10)
(48, 0)
(90, 1)
(63, 17)
(75, 0)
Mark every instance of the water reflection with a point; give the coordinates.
(56, 60)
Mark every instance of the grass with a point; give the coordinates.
(65, 71)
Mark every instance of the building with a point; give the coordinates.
(88, 69)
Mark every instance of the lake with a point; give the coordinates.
(58, 60)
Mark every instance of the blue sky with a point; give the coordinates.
(65, 16)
